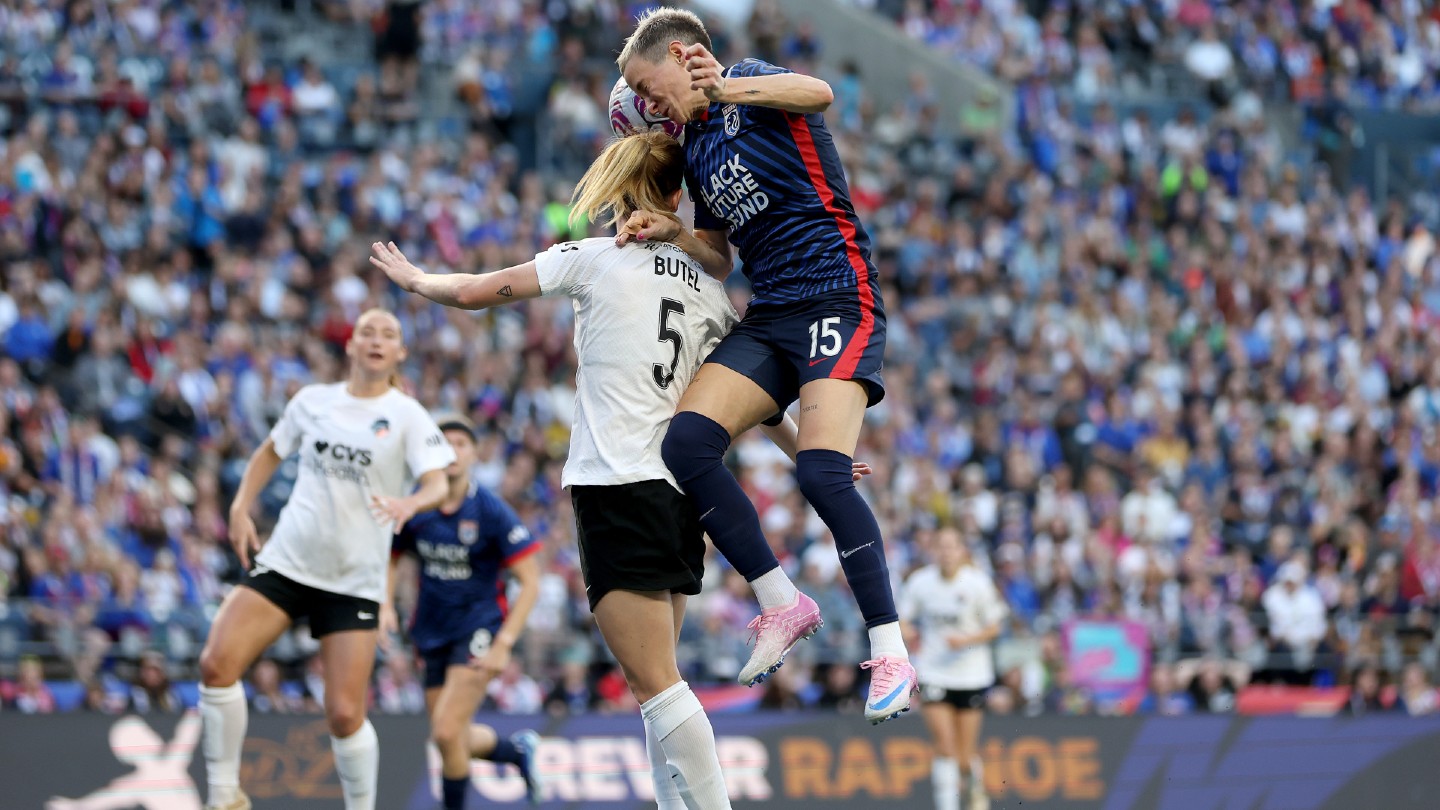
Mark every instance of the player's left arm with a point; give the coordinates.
(526, 572)
(791, 92)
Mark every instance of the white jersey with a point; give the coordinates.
(964, 605)
(646, 316)
(350, 448)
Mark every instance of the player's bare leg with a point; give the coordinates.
(640, 629)
(459, 741)
(967, 753)
(245, 625)
(349, 657)
(944, 769)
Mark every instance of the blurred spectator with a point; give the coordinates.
(514, 692)
(268, 695)
(1296, 616)
(28, 694)
(1417, 695)
(1364, 692)
(571, 693)
(397, 690)
(1213, 685)
(152, 690)
(1163, 698)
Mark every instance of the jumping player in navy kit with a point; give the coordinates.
(461, 627)
(765, 176)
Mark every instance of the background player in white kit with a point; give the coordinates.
(361, 444)
(645, 317)
(953, 611)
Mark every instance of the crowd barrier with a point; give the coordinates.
(806, 760)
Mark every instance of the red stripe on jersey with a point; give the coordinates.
(533, 548)
(845, 368)
(500, 598)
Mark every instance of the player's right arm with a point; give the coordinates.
(262, 465)
(711, 248)
(459, 290)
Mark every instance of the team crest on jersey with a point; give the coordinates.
(381, 427)
(732, 119)
(469, 532)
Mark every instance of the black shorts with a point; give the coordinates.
(959, 698)
(456, 653)
(838, 335)
(325, 611)
(638, 537)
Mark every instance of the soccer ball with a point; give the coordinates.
(630, 114)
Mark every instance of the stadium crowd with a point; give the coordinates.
(1153, 371)
(1384, 53)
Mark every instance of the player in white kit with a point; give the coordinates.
(953, 610)
(361, 444)
(646, 315)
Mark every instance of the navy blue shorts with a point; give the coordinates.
(838, 335)
(455, 653)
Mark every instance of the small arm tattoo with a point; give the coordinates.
(506, 291)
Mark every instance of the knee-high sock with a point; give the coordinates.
(357, 762)
(945, 778)
(685, 733)
(825, 481)
(694, 450)
(667, 791)
(223, 710)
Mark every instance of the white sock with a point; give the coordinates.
(774, 589)
(357, 762)
(945, 778)
(685, 734)
(885, 639)
(977, 775)
(667, 793)
(225, 715)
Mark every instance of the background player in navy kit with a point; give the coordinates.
(765, 176)
(461, 626)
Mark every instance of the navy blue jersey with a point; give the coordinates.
(773, 179)
(462, 561)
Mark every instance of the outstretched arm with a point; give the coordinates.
(460, 290)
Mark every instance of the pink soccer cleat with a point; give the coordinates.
(892, 681)
(775, 632)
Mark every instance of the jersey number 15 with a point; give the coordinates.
(664, 376)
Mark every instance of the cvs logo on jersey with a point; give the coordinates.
(343, 452)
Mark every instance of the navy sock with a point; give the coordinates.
(825, 481)
(505, 751)
(453, 792)
(694, 450)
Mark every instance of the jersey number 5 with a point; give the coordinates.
(664, 376)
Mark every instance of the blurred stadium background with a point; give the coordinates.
(1163, 290)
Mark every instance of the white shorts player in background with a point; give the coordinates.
(646, 315)
(953, 611)
(361, 444)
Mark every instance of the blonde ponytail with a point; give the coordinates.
(635, 172)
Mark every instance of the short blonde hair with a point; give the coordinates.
(656, 29)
